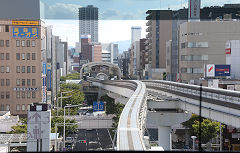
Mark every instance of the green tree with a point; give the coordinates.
(209, 129)
(59, 119)
(73, 76)
(76, 96)
(19, 128)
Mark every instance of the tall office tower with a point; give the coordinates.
(159, 31)
(194, 10)
(88, 22)
(22, 56)
(135, 34)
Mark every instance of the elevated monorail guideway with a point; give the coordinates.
(132, 121)
(217, 104)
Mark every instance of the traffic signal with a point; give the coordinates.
(83, 141)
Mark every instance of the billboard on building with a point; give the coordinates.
(194, 9)
(222, 70)
(210, 70)
(25, 32)
(49, 77)
(228, 48)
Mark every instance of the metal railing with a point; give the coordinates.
(221, 97)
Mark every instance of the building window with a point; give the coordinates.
(28, 69)
(33, 69)
(7, 43)
(17, 43)
(2, 82)
(6, 28)
(2, 95)
(7, 56)
(23, 43)
(18, 107)
(2, 69)
(28, 94)
(1, 43)
(7, 69)
(33, 95)
(28, 82)
(23, 82)
(2, 56)
(7, 95)
(23, 56)
(33, 56)
(197, 44)
(33, 43)
(18, 69)
(28, 56)
(28, 43)
(23, 94)
(33, 82)
(2, 107)
(7, 107)
(23, 69)
(18, 82)
(17, 56)
(7, 82)
(194, 57)
(23, 107)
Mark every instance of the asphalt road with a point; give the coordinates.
(95, 139)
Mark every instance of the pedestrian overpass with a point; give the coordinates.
(217, 104)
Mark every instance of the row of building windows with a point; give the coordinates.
(5, 95)
(194, 45)
(24, 94)
(27, 57)
(5, 82)
(23, 69)
(4, 28)
(28, 43)
(2, 43)
(192, 70)
(7, 107)
(4, 69)
(194, 57)
(2, 56)
(23, 82)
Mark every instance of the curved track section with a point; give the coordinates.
(132, 121)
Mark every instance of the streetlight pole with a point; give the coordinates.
(60, 124)
(200, 119)
(62, 98)
(65, 121)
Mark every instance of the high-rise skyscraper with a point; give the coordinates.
(136, 34)
(88, 22)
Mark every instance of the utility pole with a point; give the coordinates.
(200, 119)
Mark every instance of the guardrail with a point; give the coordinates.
(220, 97)
(132, 121)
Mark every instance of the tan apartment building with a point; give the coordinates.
(21, 64)
(203, 43)
(159, 31)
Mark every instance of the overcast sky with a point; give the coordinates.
(63, 15)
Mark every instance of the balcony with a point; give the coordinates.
(149, 23)
(149, 29)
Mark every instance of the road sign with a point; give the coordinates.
(98, 106)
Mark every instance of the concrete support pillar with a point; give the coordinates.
(164, 121)
(164, 137)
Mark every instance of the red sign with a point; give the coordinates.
(228, 50)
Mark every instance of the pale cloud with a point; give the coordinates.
(109, 30)
(62, 11)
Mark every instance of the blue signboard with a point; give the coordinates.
(49, 87)
(44, 81)
(98, 106)
(222, 70)
(25, 32)
(44, 68)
